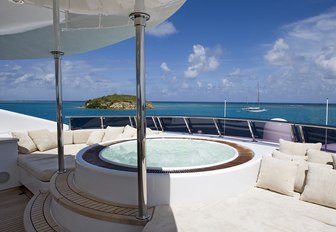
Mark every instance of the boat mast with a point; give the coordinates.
(258, 94)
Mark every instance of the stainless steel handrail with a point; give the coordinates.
(206, 117)
(297, 132)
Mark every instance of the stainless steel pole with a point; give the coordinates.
(58, 82)
(326, 131)
(140, 19)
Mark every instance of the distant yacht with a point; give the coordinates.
(256, 109)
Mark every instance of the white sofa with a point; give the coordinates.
(38, 161)
(295, 192)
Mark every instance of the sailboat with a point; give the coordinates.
(256, 109)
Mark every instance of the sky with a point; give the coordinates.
(207, 51)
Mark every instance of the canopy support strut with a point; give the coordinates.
(58, 78)
(140, 19)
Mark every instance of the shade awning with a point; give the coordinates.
(26, 30)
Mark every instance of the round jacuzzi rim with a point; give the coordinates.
(209, 140)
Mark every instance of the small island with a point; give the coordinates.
(115, 102)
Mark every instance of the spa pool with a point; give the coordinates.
(181, 170)
(171, 154)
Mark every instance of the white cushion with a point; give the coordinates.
(150, 132)
(284, 156)
(129, 132)
(300, 149)
(300, 161)
(277, 175)
(81, 136)
(334, 159)
(320, 157)
(43, 166)
(67, 137)
(320, 186)
(111, 133)
(25, 143)
(43, 139)
(95, 137)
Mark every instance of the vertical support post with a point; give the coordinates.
(58, 83)
(326, 130)
(224, 122)
(251, 131)
(187, 125)
(140, 19)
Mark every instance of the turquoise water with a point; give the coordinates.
(298, 113)
(171, 153)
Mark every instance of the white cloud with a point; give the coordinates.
(210, 86)
(235, 73)
(278, 55)
(307, 44)
(201, 60)
(164, 67)
(327, 60)
(184, 85)
(199, 84)
(81, 80)
(303, 60)
(162, 30)
(226, 83)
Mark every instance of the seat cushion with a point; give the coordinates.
(256, 210)
(43, 166)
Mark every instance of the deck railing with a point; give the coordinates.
(255, 130)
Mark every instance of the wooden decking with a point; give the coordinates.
(12, 205)
(37, 214)
(66, 193)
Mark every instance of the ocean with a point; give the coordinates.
(296, 113)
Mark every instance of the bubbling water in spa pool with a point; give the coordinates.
(171, 153)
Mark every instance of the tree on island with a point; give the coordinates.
(115, 102)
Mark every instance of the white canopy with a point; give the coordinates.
(26, 30)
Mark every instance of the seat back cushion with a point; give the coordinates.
(320, 186)
(43, 139)
(320, 157)
(129, 132)
(299, 149)
(277, 175)
(67, 137)
(111, 133)
(25, 143)
(302, 167)
(81, 136)
(95, 137)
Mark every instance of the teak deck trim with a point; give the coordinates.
(66, 194)
(37, 215)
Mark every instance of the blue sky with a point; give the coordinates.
(207, 51)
